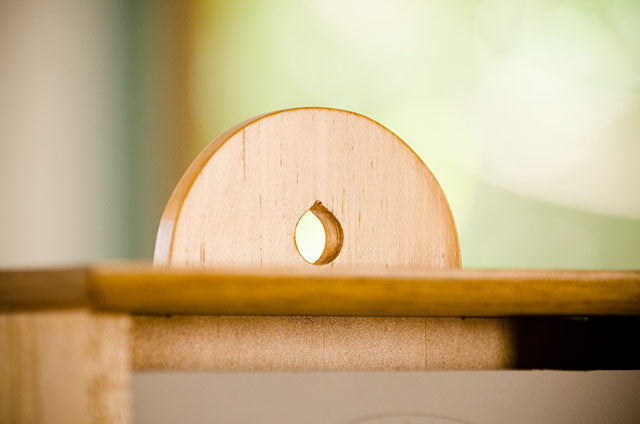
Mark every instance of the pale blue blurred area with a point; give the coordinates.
(389, 397)
(88, 128)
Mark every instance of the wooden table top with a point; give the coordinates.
(142, 289)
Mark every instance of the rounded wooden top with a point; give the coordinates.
(240, 200)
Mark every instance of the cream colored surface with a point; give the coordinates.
(60, 132)
(478, 397)
(64, 367)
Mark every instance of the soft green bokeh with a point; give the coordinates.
(527, 113)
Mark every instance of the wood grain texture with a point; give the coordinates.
(64, 366)
(402, 293)
(142, 289)
(240, 200)
(240, 343)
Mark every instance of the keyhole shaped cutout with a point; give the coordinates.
(318, 236)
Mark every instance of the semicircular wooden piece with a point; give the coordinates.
(240, 200)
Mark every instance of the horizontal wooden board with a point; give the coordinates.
(259, 343)
(251, 343)
(142, 289)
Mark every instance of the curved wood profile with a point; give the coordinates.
(238, 203)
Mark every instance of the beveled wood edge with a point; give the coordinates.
(143, 289)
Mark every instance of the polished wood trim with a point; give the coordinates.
(142, 289)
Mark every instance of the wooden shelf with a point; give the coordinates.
(142, 289)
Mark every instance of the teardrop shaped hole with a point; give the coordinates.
(318, 235)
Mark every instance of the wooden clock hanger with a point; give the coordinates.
(240, 200)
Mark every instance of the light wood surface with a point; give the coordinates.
(241, 343)
(240, 200)
(64, 366)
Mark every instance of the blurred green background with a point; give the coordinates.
(528, 113)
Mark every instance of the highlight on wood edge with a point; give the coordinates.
(145, 290)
